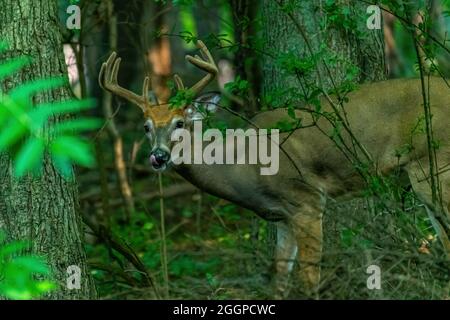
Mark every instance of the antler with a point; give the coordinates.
(206, 63)
(108, 81)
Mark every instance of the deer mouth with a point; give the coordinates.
(159, 167)
(156, 165)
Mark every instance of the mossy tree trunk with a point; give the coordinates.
(341, 30)
(348, 38)
(42, 210)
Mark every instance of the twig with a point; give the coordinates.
(171, 191)
(112, 128)
(124, 249)
(116, 271)
(163, 238)
(199, 211)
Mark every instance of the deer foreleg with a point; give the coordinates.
(307, 226)
(285, 253)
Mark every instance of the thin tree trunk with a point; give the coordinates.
(158, 49)
(42, 210)
(243, 13)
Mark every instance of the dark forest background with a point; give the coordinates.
(138, 235)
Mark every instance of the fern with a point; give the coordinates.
(17, 271)
(27, 131)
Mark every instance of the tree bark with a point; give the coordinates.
(281, 35)
(42, 210)
(245, 60)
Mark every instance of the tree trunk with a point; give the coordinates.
(243, 13)
(282, 35)
(42, 210)
(285, 32)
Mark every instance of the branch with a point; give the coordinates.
(107, 237)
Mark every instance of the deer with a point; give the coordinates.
(312, 169)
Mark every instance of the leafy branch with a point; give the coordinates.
(30, 131)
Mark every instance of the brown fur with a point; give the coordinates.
(162, 115)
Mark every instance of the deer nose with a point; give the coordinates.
(158, 157)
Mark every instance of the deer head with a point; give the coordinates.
(160, 119)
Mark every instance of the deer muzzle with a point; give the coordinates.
(159, 159)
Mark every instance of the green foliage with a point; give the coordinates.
(238, 87)
(188, 26)
(287, 125)
(339, 16)
(293, 64)
(29, 132)
(19, 272)
(189, 29)
(351, 237)
(345, 18)
(190, 266)
(289, 6)
(177, 2)
(182, 98)
(197, 262)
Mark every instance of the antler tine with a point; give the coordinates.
(100, 77)
(145, 88)
(207, 64)
(178, 82)
(108, 81)
(105, 70)
(204, 51)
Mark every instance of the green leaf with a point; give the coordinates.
(32, 264)
(11, 134)
(63, 164)
(29, 157)
(4, 114)
(13, 65)
(77, 125)
(12, 293)
(45, 286)
(3, 46)
(74, 149)
(182, 98)
(12, 248)
(238, 86)
(25, 91)
(26, 127)
(347, 237)
(43, 111)
(291, 112)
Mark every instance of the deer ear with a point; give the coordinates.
(202, 105)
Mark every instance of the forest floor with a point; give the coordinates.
(216, 250)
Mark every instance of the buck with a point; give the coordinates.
(382, 115)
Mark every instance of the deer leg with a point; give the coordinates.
(285, 253)
(307, 226)
(439, 214)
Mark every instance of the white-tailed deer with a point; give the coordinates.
(381, 115)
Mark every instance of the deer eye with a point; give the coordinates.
(179, 124)
(147, 128)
